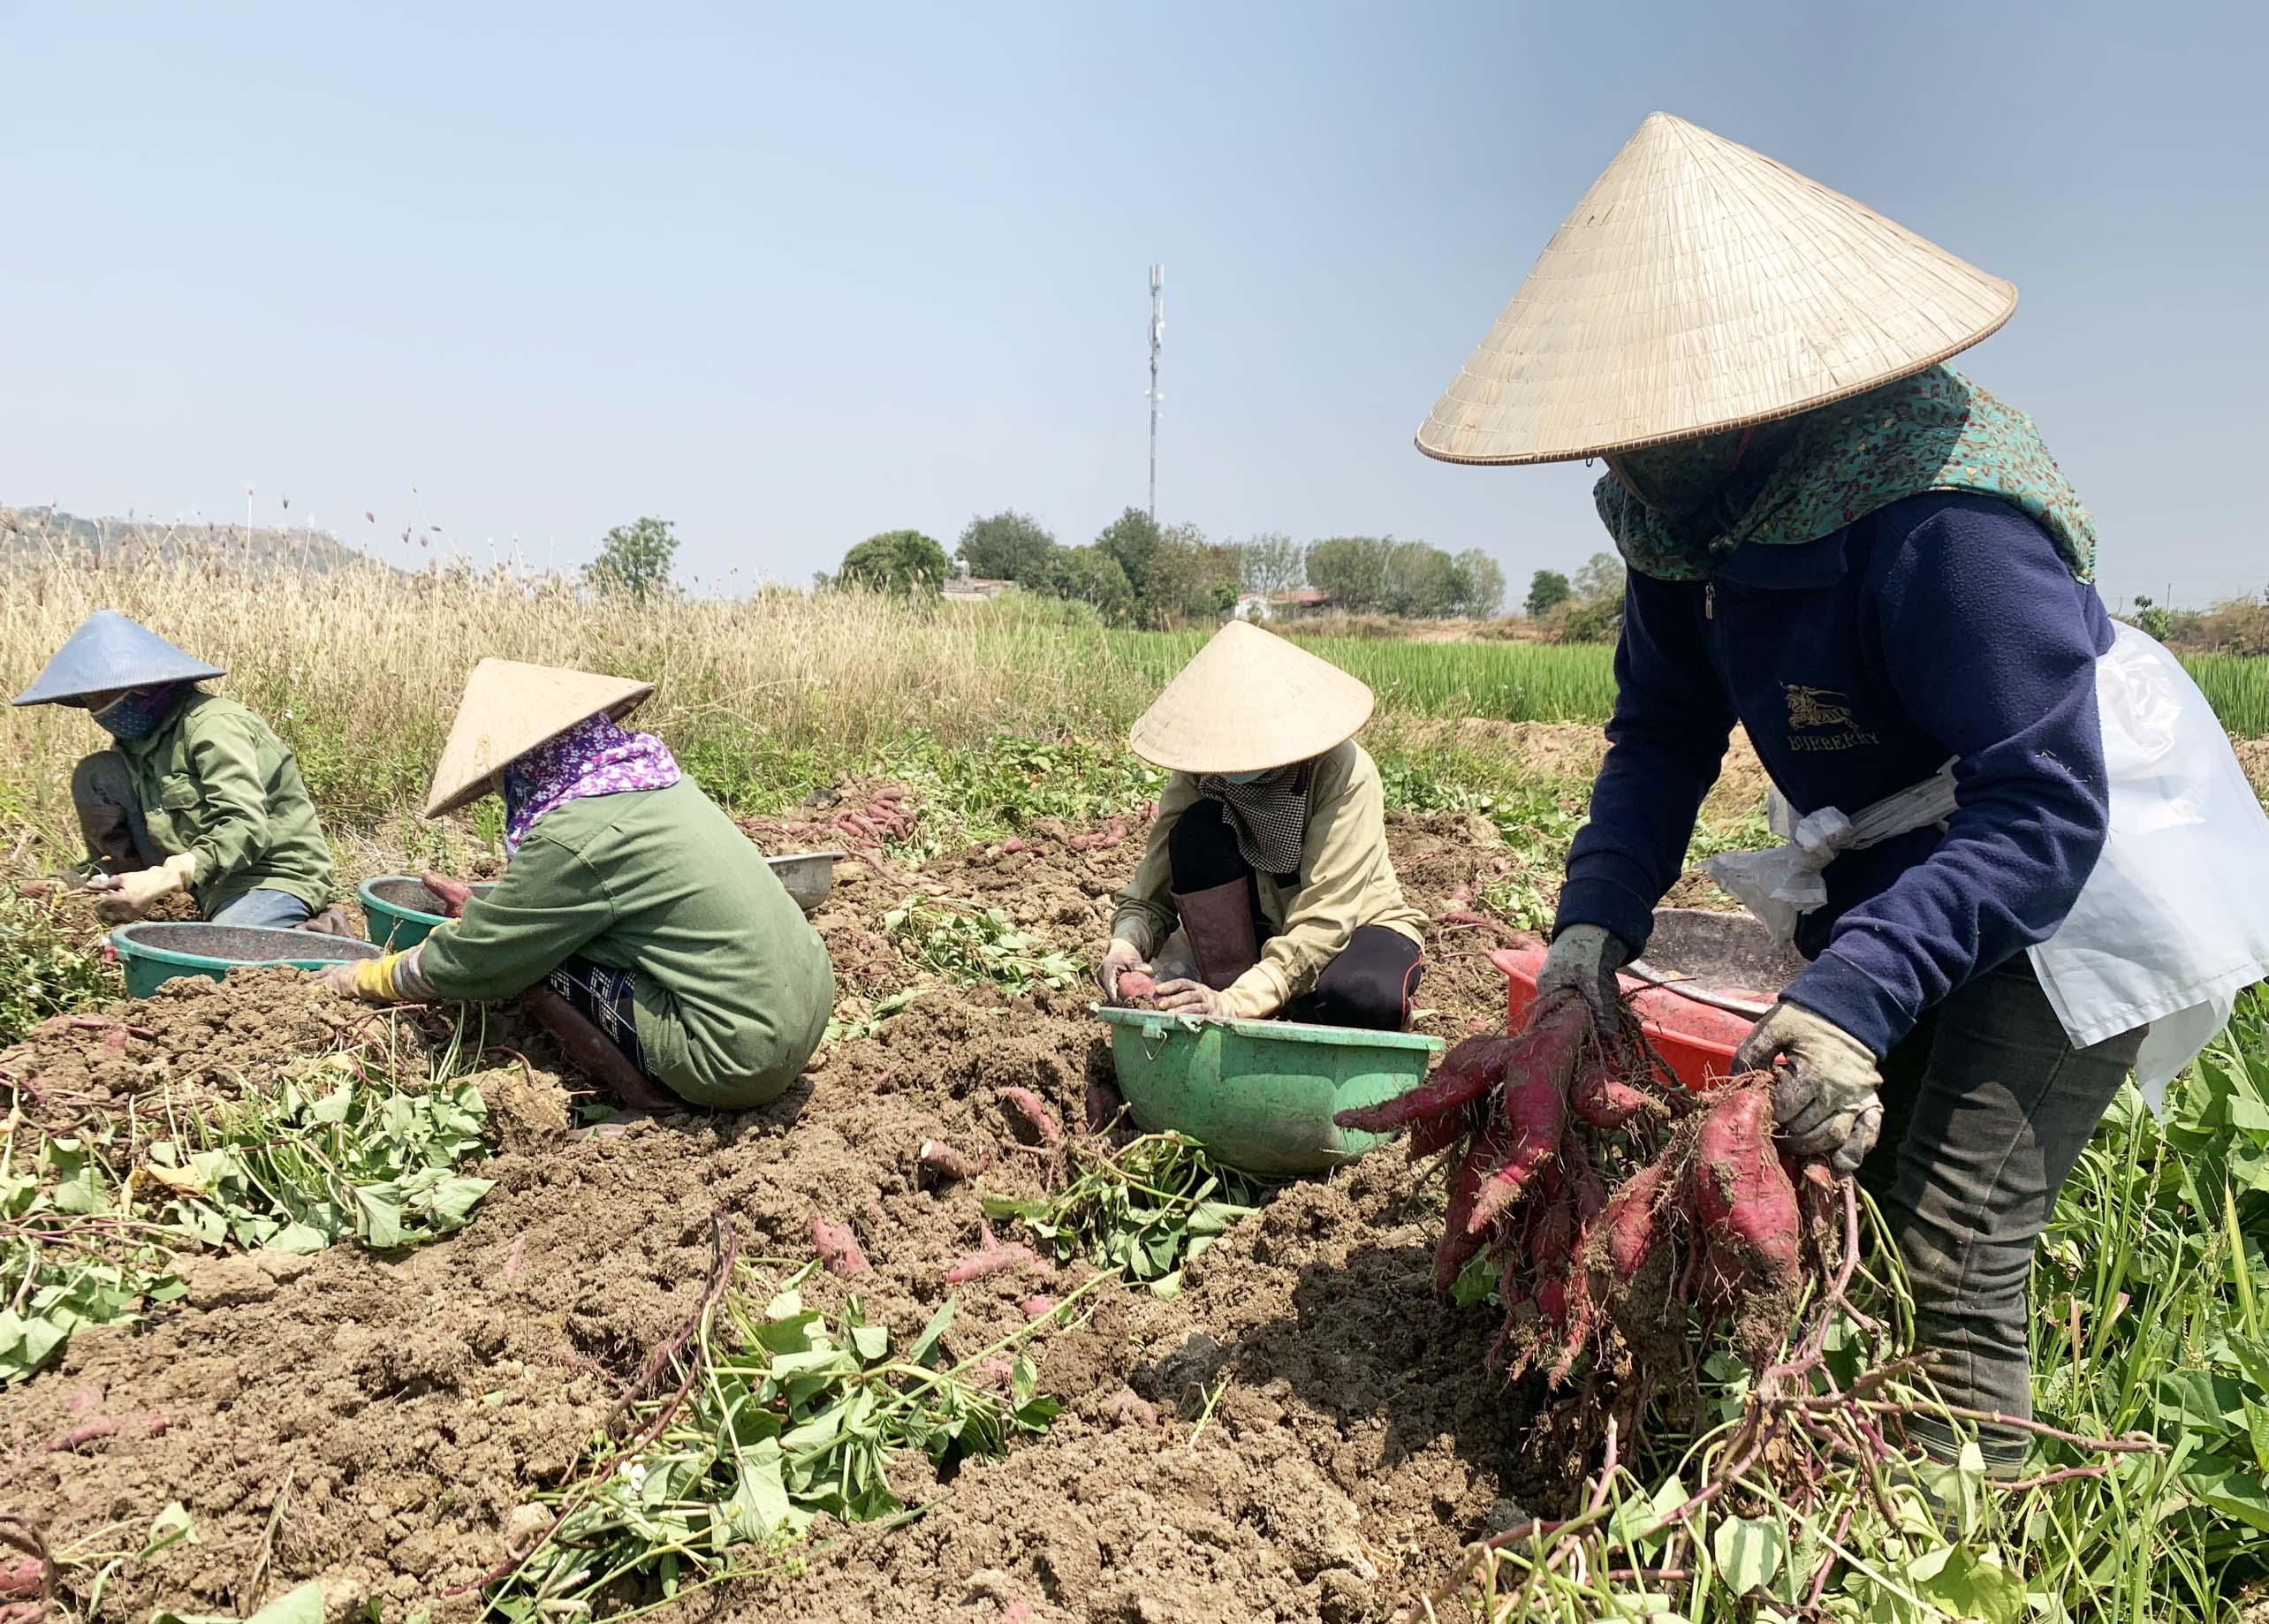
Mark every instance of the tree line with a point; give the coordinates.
(1139, 572)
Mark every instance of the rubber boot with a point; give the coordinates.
(109, 836)
(591, 1051)
(1219, 922)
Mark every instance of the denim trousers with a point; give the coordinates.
(1987, 1106)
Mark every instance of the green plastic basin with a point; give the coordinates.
(399, 912)
(150, 954)
(1260, 1095)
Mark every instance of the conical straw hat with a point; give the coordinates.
(1246, 702)
(109, 651)
(1698, 286)
(508, 710)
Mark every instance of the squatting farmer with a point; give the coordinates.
(2051, 870)
(636, 921)
(196, 793)
(1266, 888)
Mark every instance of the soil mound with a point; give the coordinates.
(377, 1422)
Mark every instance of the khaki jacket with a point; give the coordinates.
(1346, 880)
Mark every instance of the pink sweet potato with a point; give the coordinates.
(1037, 1113)
(1604, 1100)
(1134, 987)
(992, 1258)
(1429, 1135)
(1461, 1244)
(1466, 1074)
(1630, 1223)
(947, 1163)
(23, 1577)
(1740, 1198)
(839, 1249)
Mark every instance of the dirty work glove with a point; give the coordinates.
(1586, 958)
(1120, 957)
(371, 980)
(131, 895)
(1824, 1084)
(1196, 997)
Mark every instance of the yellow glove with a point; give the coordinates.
(371, 980)
(132, 896)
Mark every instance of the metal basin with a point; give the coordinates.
(808, 875)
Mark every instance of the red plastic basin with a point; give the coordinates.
(1696, 1041)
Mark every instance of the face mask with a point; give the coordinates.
(136, 713)
(1677, 479)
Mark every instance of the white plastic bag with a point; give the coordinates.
(2174, 919)
(1781, 886)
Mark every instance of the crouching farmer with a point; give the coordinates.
(196, 793)
(1266, 888)
(635, 920)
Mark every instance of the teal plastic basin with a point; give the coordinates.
(399, 912)
(150, 954)
(1260, 1095)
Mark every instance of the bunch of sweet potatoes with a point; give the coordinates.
(1602, 1200)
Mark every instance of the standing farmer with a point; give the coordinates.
(634, 918)
(1877, 568)
(1266, 867)
(196, 793)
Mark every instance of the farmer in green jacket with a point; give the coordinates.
(197, 794)
(634, 919)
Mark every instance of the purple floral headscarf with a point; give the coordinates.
(594, 757)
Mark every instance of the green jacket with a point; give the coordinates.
(733, 985)
(215, 779)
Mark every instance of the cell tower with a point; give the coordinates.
(1158, 332)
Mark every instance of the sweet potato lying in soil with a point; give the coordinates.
(1740, 1196)
(838, 1247)
(947, 1163)
(1036, 1113)
(992, 1258)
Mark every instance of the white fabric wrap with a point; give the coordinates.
(2173, 922)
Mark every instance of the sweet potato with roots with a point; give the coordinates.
(1461, 1244)
(1740, 1196)
(1466, 1074)
(1534, 1103)
(1604, 1100)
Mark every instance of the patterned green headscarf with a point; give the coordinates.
(1934, 431)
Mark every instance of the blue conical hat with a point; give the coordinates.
(109, 651)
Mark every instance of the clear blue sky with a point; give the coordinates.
(788, 276)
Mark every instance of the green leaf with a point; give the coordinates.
(332, 1107)
(873, 1342)
(301, 1240)
(2230, 1490)
(925, 1345)
(303, 1606)
(1969, 1584)
(378, 1218)
(1749, 1552)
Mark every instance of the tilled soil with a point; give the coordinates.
(376, 1422)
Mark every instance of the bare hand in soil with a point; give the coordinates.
(1120, 960)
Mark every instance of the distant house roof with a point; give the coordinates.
(1306, 597)
(974, 587)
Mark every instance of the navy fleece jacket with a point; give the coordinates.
(1942, 627)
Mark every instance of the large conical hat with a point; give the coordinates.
(1699, 286)
(109, 651)
(508, 709)
(1246, 702)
